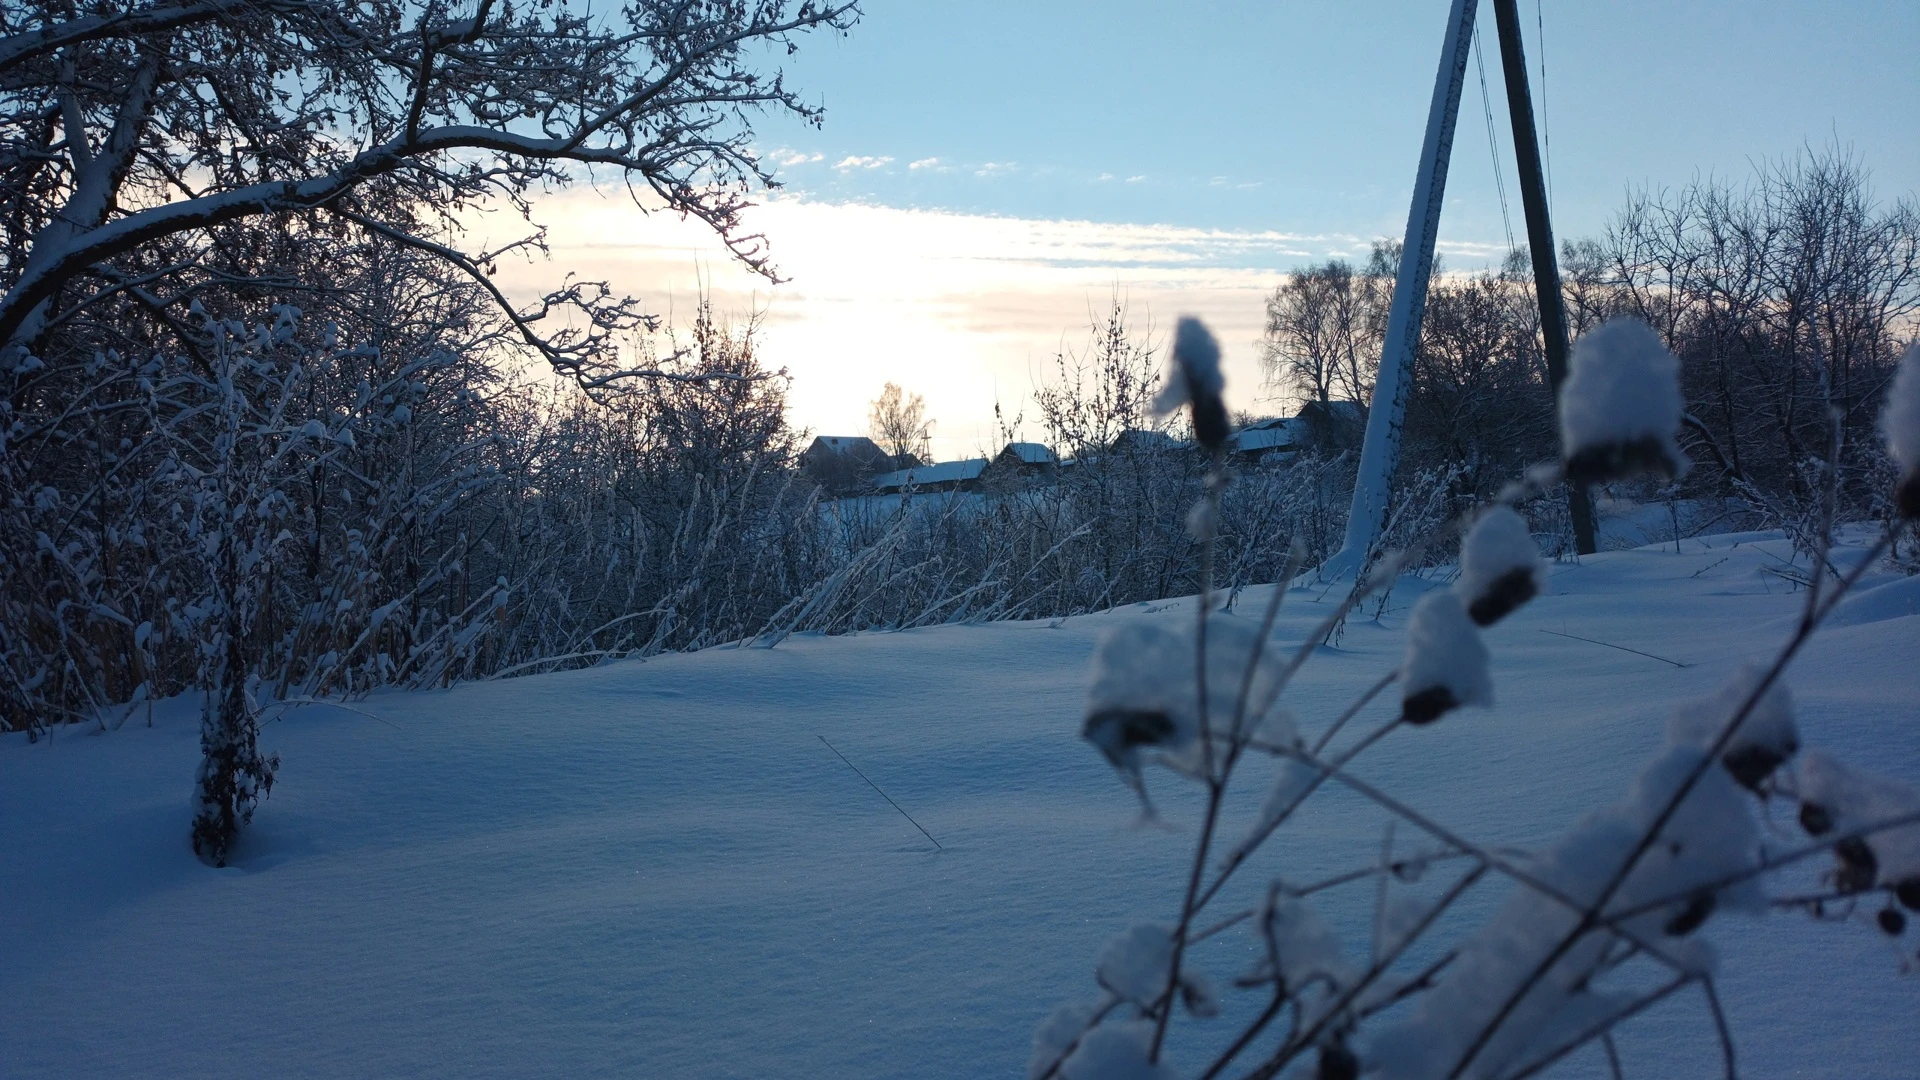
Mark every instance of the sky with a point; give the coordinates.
(991, 174)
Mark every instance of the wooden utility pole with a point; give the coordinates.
(1546, 269)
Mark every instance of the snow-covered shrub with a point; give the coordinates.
(1598, 925)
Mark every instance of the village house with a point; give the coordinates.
(844, 464)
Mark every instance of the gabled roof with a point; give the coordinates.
(840, 444)
(944, 472)
(1338, 410)
(1147, 439)
(1030, 453)
(1276, 434)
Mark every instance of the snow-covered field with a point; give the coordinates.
(658, 869)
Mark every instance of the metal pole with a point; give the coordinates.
(1546, 270)
(1380, 453)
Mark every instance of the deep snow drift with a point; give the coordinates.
(657, 869)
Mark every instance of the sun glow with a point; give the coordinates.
(966, 310)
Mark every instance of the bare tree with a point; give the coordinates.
(898, 421)
(1325, 326)
(126, 125)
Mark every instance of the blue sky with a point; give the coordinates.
(1188, 155)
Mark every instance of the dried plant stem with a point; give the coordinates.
(1591, 919)
(1602, 1027)
(1301, 1041)
(1216, 784)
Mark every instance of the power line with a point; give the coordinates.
(1546, 131)
(1493, 141)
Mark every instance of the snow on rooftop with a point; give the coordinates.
(1031, 453)
(943, 472)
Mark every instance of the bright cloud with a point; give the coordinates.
(967, 310)
(860, 161)
(784, 156)
(925, 163)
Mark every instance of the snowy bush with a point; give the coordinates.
(1610, 919)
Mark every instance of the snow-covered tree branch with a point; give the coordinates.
(126, 126)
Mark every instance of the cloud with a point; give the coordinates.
(1135, 179)
(926, 163)
(997, 168)
(860, 161)
(784, 156)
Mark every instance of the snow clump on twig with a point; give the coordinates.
(1117, 1052)
(1196, 380)
(1143, 695)
(1057, 1035)
(1711, 838)
(1447, 664)
(1765, 738)
(1900, 422)
(1834, 795)
(1500, 566)
(1620, 405)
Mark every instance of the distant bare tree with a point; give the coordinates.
(898, 421)
(1325, 325)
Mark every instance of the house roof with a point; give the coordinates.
(840, 444)
(1339, 410)
(1276, 434)
(1146, 439)
(944, 472)
(1031, 453)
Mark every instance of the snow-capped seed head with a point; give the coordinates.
(1143, 697)
(1900, 422)
(1849, 800)
(1133, 964)
(1337, 1063)
(1858, 866)
(1289, 929)
(1197, 381)
(1130, 705)
(1816, 819)
(1691, 917)
(1058, 1034)
(1621, 405)
(1117, 1051)
(1447, 665)
(1500, 566)
(1765, 739)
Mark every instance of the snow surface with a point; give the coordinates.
(656, 869)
